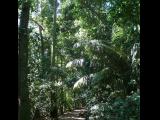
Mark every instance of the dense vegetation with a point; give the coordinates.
(79, 53)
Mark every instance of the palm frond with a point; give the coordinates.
(82, 81)
(75, 63)
(115, 60)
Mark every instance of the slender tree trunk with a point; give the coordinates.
(43, 57)
(62, 109)
(54, 110)
(42, 50)
(23, 90)
(54, 32)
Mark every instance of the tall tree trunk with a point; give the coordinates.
(42, 49)
(42, 54)
(54, 32)
(23, 90)
(54, 110)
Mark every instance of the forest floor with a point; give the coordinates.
(77, 114)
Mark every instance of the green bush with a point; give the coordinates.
(117, 109)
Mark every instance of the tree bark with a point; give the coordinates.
(54, 108)
(23, 90)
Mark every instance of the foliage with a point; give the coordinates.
(96, 53)
(118, 109)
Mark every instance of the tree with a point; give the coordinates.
(54, 109)
(88, 54)
(108, 55)
(24, 109)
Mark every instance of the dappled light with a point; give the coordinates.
(74, 115)
(79, 60)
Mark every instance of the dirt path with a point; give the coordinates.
(77, 114)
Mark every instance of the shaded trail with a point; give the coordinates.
(78, 114)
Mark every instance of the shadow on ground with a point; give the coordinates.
(78, 114)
